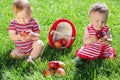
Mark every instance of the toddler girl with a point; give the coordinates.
(97, 37)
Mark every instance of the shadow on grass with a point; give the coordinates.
(87, 70)
(9, 64)
(21, 67)
(50, 53)
(6, 63)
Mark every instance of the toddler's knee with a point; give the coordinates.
(12, 55)
(39, 43)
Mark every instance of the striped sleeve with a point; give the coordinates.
(36, 27)
(12, 25)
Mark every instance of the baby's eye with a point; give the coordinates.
(26, 17)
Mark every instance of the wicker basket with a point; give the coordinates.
(62, 31)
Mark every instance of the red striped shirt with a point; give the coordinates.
(24, 46)
(96, 49)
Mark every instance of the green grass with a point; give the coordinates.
(46, 12)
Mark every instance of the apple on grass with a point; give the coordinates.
(60, 71)
(56, 64)
(48, 72)
(53, 64)
(61, 64)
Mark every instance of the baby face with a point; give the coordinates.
(98, 20)
(22, 17)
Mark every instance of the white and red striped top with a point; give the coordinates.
(93, 31)
(24, 46)
(95, 50)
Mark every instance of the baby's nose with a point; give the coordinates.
(101, 23)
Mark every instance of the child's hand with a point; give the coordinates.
(24, 33)
(32, 35)
(23, 38)
(104, 40)
(93, 38)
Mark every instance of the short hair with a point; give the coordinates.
(19, 5)
(99, 7)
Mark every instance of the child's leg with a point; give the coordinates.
(17, 54)
(37, 49)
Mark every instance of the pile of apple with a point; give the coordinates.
(60, 43)
(55, 67)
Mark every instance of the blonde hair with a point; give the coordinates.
(99, 7)
(19, 5)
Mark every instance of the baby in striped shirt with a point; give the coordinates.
(25, 32)
(97, 36)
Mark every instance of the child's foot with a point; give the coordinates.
(76, 59)
(30, 60)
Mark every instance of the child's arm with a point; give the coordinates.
(107, 39)
(33, 35)
(87, 39)
(109, 36)
(14, 36)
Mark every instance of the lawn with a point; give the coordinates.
(46, 12)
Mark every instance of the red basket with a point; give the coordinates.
(62, 29)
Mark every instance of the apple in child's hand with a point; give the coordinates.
(57, 44)
(24, 33)
(60, 71)
(100, 34)
(48, 72)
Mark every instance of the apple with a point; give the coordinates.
(53, 64)
(61, 64)
(58, 44)
(64, 42)
(24, 33)
(48, 72)
(60, 71)
(100, 34)
(56, 64)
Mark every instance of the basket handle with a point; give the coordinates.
(66, 35)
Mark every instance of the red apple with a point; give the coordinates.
(100, 34)
(60, 71)
(64, 42)
(24, 33)
(56, 64)
(48, 72)
(53, 64)
(58, 44)
(61, 64)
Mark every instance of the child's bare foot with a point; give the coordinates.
(76, 59)
(30, 60)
